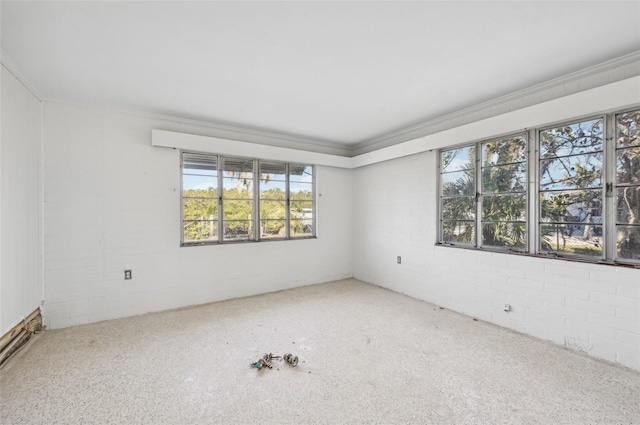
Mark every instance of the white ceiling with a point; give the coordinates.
(342, 72)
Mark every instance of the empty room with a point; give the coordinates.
(332, 212)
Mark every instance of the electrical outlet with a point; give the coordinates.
(399, 259)
(127, 275)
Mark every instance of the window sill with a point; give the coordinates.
(241, 242)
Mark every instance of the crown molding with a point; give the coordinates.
(610, 97)
(246, 134)
(606, 97)
(627, 66)
(14, 69)
(216, 145)
(264, 135)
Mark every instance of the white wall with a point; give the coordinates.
(112, 202)
(588, 307)
(20, 205)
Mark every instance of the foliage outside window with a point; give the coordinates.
(584, 183)
(571, 188)
(628, 185)
(226, 199)
(237, 202)
(458, 195)
(199, 197)
(497, 205)
(504, 192)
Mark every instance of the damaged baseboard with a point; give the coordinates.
(17, 337)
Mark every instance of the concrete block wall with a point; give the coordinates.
(587, 307)
(112, 202)
(20, 202)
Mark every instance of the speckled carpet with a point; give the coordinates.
(366, 356)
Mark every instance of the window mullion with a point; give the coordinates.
(533, 170)
(220, 194)
(256, 200)
(609, 182)
(287, 211)
(478, 197)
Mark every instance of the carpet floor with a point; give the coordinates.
(366, 356)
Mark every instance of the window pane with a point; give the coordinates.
(237, 209)
(236, 166)
(199, 197)
(237, 203)
(271, 229)
(505, 178)
(239, 187)
(569, 238)
(200, 230)
(301, 227)
(504, 151)
(572, 206)
(628, 166)
(300, 173)
(571, 172)
(505, 234)
(460, 208)
(200, 209)
(272, 210)
(238, 178)
(273, 190)
(628, 242)
(238, 230)
(628, 129)
(300, 209)
(272, 171)
(301, 190)
(210, 193)
(578, 138)
(458, 232)
(199, 183)
(504, 208)
(628, 205)
(458, 159)
(458, 183)
(199, 164)
(301, 219)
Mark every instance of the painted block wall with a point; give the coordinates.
(586, 307)
(20, 205)
(112, 202)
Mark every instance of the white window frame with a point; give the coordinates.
(609, 193)
(479, 195)
(255, 217)
(606, 153)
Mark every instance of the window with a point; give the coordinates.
(199, 198)
(504, 193)
(458, 195)
(227, 199)
(491, 200)
(237, 203)
(570, 190)
(301, 200)
(628, 185)
(286, 201)
(273, 200)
